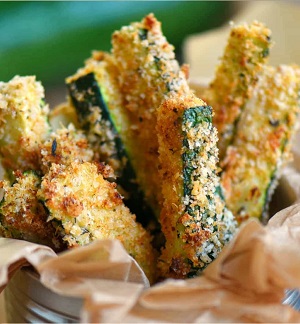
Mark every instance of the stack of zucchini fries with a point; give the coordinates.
(134, 153)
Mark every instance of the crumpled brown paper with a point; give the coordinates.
(101, 271)
(15, 254)
(246, 283)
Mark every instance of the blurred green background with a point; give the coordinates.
(52, 39)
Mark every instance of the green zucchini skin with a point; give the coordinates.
(91, 96)
(194, 218)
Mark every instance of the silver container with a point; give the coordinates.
(292, 298)
(28, 301)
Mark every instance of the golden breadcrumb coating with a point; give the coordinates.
(90, 208)
(22, 216)
(94, 92)
(148, 72)
(194, 219)
(244, 56)
(63, 147)
(101, 124)
(23, 122)
(262, 143)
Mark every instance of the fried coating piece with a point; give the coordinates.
(23, 122)
(262, 143)
(95, 94)
(194, 218)
(64, 146)
(89, 208)
(244, 56)
(22, 216)
(148, 72)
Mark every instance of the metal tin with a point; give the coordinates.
(28, 301)
(292, 298)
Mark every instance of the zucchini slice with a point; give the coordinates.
(94, 93)
(148, 72)
(23, 122)
(194, 218)
(244, 56)
(96, 97)
(22, 216)
(90, 208)
(262, 143)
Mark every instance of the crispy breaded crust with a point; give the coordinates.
(63, 147)
(90, 208)
(100, 124)
(262, 143)
(148, 72)
(193, 218)
(244, 56)
(22, 216)
(23, 122)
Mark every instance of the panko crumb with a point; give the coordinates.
(63, 147)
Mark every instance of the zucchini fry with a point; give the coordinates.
(262, 143)
(89, 208)
(194, 219)
(23, 122)
(246, 53)
(22, 216)
(95, 94)
(148, 72)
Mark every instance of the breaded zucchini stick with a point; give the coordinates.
(148, 72)
(262, 143)
(22, 216)
(244, 56)
(63, 147)
(89, 208)
(95, 94)
(194, 218)
(23, 122)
